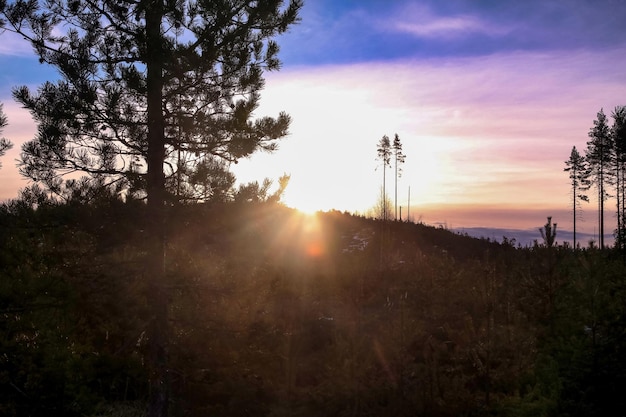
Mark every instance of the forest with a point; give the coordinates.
(136, 279)
(277, 313)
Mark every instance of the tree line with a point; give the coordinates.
(603, 168)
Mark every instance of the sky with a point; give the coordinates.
(488, 97)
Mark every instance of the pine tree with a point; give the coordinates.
(399, 158)
(548, 233)
(618, 132)
(579, 180)
(599, 156)
(129, 69)
(384, 155)
(142, 83)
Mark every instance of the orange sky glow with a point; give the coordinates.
(485, 142)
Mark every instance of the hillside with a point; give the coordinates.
(278, 313)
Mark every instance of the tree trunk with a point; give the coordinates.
(601, 202)
(155, 262)
(622, 231)
(574, 201)
(395, 194)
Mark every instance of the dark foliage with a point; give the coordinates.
(276, 313)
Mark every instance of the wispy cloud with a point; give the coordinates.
(343, 32)
(446, 27)
(423, 22)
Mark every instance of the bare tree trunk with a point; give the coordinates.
(395, 198)
(617, 197)
(601, 213)
(155, 262)
(574, 197)
(622, 231)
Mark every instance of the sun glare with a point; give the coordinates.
(429, 171)
(300, 202)
(299, 238)
(307, 210)
(311, 235)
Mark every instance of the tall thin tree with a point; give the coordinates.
(399, 158)
(384, 155)
(576, 165)
(618, 132)
(599, 155)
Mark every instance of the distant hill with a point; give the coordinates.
(528, 236)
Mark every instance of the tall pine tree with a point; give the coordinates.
(150, 90)
(579, 181)
(399, 158)
(618, 132)
(599, 156)
(384, 154)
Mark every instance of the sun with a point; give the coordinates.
(301, 202)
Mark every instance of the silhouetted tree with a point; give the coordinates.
(599, 156)
(142, 83)
(5, 144)
(253, 192)
(579, 180)
(618, 132)
(548, 233)
(384, 155)
(549, 280)
(399, 158)
(210, 63)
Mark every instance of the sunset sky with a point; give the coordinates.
(488, 98)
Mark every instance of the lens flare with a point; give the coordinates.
(312, 236)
